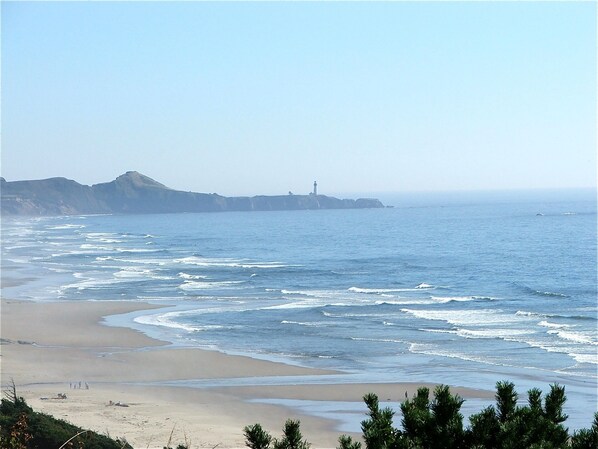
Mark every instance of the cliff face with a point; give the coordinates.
(54, 196)
(134, 193)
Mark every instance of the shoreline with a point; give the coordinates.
(49, 347)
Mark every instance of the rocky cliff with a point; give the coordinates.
(134, 193)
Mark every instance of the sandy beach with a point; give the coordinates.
(48, 348)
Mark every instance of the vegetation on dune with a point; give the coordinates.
(258, 438)
(426, 423)
(438, 424)
(23, 428)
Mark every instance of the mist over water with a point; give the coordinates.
(462, 292)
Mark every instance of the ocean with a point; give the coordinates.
(458, 289)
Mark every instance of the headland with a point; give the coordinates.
(134, 193)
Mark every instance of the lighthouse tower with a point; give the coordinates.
(315, 188)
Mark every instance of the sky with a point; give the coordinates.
(244, 98)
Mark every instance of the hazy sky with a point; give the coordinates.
(248, 98)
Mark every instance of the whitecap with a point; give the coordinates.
(586, 358)
(559, 295)
(230, 263)
(306, 324)
(429, 349)
(135, 250)
(322, 294)
(291, 305)
(198, 285)
(67, 226)
(17, 259)
(577, 352)
(160, 262)
(404, 302)
(92, 284)
(100, 234)
(94, 247)
(577, 337)
(294, 292)
(530, 314)
(370, 290)
(184, 275)
(305, 303)
(378, 340)
(492, 333)
(553, 325)
(164, 321)
(462, 317)
(445, 299)
(104, 237)
(379, 291)
(139, 273)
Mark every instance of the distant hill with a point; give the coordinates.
(134, 193)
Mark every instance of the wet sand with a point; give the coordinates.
(48, 348)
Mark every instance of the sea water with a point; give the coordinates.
(464, 290)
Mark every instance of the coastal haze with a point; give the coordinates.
(264, 98)
(467, 257)
(328, 303)
(135, 193)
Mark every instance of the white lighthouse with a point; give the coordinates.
(315, 188)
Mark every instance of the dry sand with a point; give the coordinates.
(46, 347)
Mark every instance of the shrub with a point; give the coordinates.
(438, 424)
(22, 428)
(258, 438)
